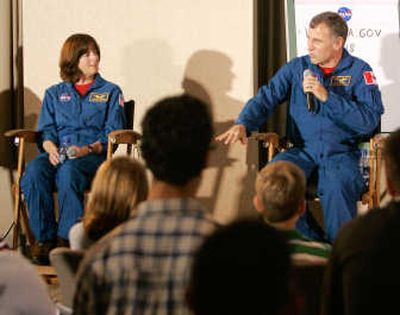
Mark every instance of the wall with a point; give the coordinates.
(153, 49)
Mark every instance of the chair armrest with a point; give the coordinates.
(30, 136)
(123, 136)
(269, 138)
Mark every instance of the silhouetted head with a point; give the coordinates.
(177, 133)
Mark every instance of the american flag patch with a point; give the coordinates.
(121, 100)
(369, 78)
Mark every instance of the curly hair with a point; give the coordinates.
(177, 132)
(74, 47)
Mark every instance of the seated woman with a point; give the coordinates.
(119, 185)
(76, 117)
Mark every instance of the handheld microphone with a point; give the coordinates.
(309, 95)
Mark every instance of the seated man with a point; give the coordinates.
(334, 102)
(280, 198)
(143, 267)
(363, 271)
(241, 269)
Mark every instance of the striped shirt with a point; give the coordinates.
(144, 267)
(303, 249)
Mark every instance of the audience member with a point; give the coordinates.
(144, 267)
(243, 268)
(22, 291)
(119, 186)
(363, 272)
(280, 199)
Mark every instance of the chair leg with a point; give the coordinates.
(21, 223)
(17, 205)
(30, 239)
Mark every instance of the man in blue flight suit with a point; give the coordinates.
(76, 117)
(342, 107)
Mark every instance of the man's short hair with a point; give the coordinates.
(391, 150)
(177, 132)
(281, 187)
(334, 21)
(242, 268)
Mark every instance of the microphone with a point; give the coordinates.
(309, 95)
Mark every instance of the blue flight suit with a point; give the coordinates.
(67, 118)
(325, 139)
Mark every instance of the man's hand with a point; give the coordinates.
(52, 150)
(233, 134)
(311, 84)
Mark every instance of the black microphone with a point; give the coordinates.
(309, 95)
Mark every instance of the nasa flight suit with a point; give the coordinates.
(67, 118)
(326, 138)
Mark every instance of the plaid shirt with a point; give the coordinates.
(143, 268)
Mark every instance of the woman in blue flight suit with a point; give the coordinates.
(76, 117)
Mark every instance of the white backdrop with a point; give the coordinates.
(156, 48)
(373, 36)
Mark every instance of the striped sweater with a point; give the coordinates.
(303, 249)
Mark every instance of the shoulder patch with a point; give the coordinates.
(121, 100)
(99, 97)
(369, 78)
(340, 80)
(65, 97)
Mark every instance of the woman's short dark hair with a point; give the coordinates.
(74, 47)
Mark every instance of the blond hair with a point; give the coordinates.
(119, 185)
(281, 188)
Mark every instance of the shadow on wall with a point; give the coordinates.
(32, 108)
(208, 76)
(149, 72)
(7, 152)
(389, 50)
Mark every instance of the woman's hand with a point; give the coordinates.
(75, 152)
(52, 150)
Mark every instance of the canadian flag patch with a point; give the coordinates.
(369, 78)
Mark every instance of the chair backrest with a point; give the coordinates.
(66, 263)
(125, 136)
(129, 110)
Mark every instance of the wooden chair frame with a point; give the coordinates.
(22, 137)
(274, 144)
